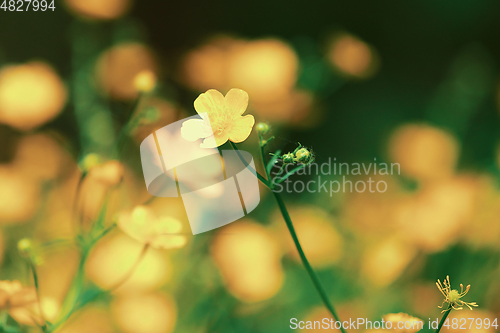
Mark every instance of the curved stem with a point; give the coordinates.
(76, 204)
(259, 176)
(73, 295)
(76, 304)
(286, 216)
(305, 262)
(37, 289)
(131, 270)
(445, 315)
(124, 279)
(289, 173)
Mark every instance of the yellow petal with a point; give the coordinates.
(210, 102)
(220, 139)
(236, 102)
(194, 129)
(168, 225)
(168, 242)
(209, 142)
(241, 129)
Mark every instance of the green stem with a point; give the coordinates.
(37, 289)
(259, 176)
(286, 216)
(124, 279)
(445, 315)
(317, 284)
(73, 296)
(262, 154)
(131, 270)
(289, 173)
(132, 120)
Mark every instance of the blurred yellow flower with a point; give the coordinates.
(144, 313)
(92, 318)
(40, 156)
(145, 81)
(20, 301)
(438, 213)
(19, 196)
(109, 173)
(248, 257)
(403, 323)
(321, 242)
(424, 152)
(206, 66)
(99, 10)
(118, 67)
(159, 232)
(114, 256)
(266, 68)
(353, 57)
(30, 95)
(14, 294)
(221, 118)
(383, 263)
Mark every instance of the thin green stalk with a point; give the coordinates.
(443, 319)
(71, 301)
(76, 216)
(305, 262)
(262, 153)
(35, 282)
(289, 173)
(132, 120)
(124, 279)
(286, 216)
(259, 176)
(131, 270)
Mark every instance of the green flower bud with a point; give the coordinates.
(304, 156)
(89, 161)
(24, 246)
(151, 115)
(262, 128)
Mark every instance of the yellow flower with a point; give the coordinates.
(158, 232)
(403, 322)
(20, 301)
(221, 119)
(109, 173)
(452, 296)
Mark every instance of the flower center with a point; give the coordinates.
(453, 296)
(220, 123)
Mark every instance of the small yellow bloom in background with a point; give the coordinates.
(20, 301)
(403, 322)
(117, 68)
(31, 94)
(24, 246)
(452, 296)
(109, 173)
(221, 119)
(144, 313)
(159, 232)
(145, 81)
